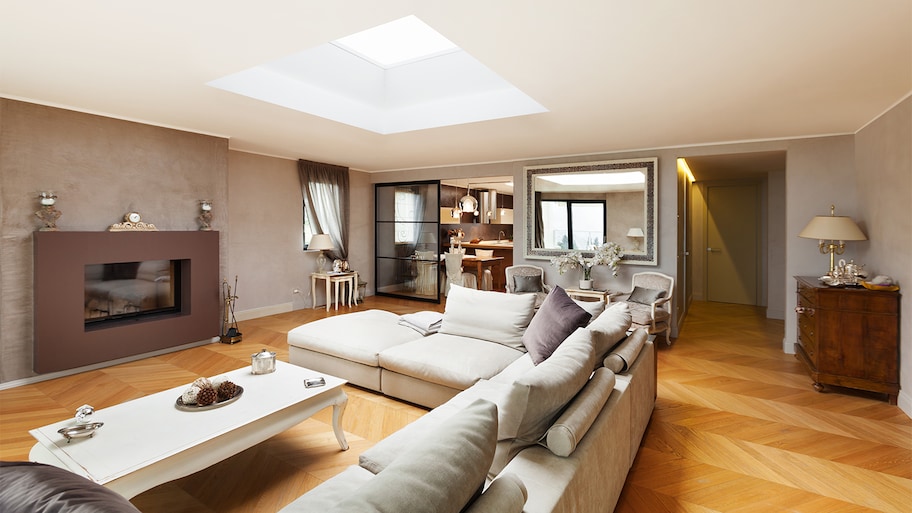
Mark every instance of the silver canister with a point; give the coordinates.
(263, 362)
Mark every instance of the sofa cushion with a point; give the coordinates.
(557, 318)
(448, 360)
(642, 314)
(570, 428)
(357, 336)
(39, 488)
(595, 308)
(543, 392)
(507, 494)
(329, 493)
(622, 357)
(645, 296)
(442, 474)
(527, 283)
(487, 315)
(610, 327)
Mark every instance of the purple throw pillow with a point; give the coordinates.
(558, 317)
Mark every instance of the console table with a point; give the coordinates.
(604, 295)
(335, 278)
(849, 337)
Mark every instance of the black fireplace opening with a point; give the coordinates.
(119, 292)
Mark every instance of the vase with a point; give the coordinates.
(585, 284)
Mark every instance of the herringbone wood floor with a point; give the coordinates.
(737, 427)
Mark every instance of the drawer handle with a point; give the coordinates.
(804, 309)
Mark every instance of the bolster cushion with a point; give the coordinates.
(507, 494)
(572, 425)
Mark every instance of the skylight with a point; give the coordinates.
(419, 84)
(398, 42)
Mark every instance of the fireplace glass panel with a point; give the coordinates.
(122, 290)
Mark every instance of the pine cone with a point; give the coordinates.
(227, 390)
(206, 396)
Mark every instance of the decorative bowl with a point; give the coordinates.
(887, 288)
(80, 430)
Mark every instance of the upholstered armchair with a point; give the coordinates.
(527, 279)
(649, 301)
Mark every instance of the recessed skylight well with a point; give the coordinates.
(397, 77)
(398, 42)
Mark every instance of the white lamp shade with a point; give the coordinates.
(832, 228)
(635, 232)
(320, 241)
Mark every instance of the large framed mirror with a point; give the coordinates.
(577, 206)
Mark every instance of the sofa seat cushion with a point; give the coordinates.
(486, 315)
(442, 474)
(642, 314)
(358, 336)
(449, 360)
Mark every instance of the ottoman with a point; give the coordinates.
(348, 345)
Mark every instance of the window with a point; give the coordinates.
(407, 202)
(573, 224)
(308, 228)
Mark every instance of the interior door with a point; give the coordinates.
(732, 235)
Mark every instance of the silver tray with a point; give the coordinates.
(80, 430)
(179, 404)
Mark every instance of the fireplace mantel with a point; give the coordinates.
(62, 340)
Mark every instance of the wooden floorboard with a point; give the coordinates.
(737, 427)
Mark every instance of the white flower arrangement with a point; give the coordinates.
(607, 254)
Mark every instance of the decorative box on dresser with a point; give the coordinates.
(849, 337)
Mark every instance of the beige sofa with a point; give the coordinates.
(567, 428)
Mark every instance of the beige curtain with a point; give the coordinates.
(326, 197)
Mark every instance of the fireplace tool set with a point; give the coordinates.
(229, 333)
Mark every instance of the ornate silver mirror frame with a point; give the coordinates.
(535, 177)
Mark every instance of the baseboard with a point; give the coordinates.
(788, 347)
(263, 311)
(905, 403)
(69, 372)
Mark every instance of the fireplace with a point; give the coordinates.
(101, 296)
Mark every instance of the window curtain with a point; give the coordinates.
(326, 198)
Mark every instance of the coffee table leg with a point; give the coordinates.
(338, 410)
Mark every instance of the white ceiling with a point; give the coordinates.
(614, 75)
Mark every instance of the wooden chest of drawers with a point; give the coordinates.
(849, 337)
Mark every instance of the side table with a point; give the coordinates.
(604, 295)
(337, 279)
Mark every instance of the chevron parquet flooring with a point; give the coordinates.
(737, 427)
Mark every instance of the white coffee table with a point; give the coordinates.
(148, 441)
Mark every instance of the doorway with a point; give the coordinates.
(732, 243)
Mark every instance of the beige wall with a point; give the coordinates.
(883, 178)
(100, 168)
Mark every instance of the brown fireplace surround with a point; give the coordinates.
(62, 340)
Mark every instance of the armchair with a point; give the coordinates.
(649, 301)
(527, 279)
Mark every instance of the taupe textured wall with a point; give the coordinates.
(100, 168)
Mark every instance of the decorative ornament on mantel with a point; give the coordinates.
(205, 217)
(132, 223)
(48, 213)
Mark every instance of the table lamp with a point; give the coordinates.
(636, 234)
(321, 242)
(831, 233)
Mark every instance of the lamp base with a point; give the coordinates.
(321, 262)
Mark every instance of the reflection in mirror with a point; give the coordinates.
(578, 206)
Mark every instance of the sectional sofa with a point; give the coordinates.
(541, 410)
